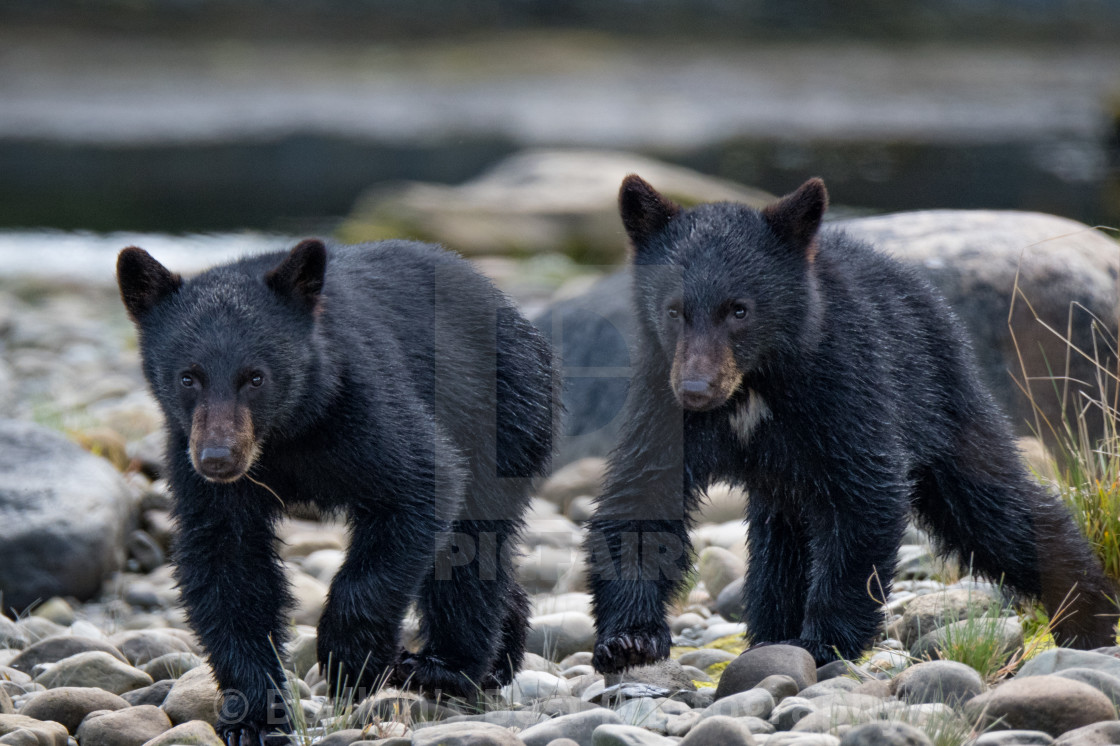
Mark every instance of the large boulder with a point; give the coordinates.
(534, 201)
(65, 513)
(1042, 273)
(1018, 281)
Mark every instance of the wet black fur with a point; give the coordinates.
(403, 390)
(877, 411)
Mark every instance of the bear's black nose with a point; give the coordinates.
(695, 393)
(216, 459)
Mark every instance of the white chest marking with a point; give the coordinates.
(749, 415)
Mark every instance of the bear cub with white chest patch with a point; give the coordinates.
(838, 389)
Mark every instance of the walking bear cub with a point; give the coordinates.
(388, 381)
(838, 389)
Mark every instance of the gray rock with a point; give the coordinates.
(582, 478)
(619, 692)
(948, 682)
(614, 734)
(580, 509)
(934, 610)
(829, 686)
(556, 636)
(543, 567)
(20, 737)
(885, 734)
(70, 704)
(719, 568)
(54, 649)
(1107, 684)
(720, 630)
(686, 620)
(56, 609)
(171, 665)
(194, 696)
(302, 653)
(67, 515)
(532, 685)
(534, 201)
(579, 727)
(651, 713)
(515, 719)
(144, 552)
(324, 564)
(679, 725)
(1007, 631)
(558, 706)
(1060, 659)
(979, 259)
(194, 733)
(915, 563)
(757, 726)
(790, 711)
(751, 703)
(309, 596)
(149, 695)
(141, 646)
(779, 685)
(1027, 738)
(37, 628)
(729, 602)
(11, 636)
(834, 719)
(755, 664)
(343, 737)
(94, 669)
(534, 662)
(133, 726)
(802, 739)
(1051, 704)
(1098, 734)
(46, 733)
(667, 674)
(722, 503)
(390, 704)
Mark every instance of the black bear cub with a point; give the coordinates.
(387, 381)
(837, 388)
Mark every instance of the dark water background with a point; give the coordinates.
(206, 116)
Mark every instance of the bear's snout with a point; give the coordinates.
(223, 446)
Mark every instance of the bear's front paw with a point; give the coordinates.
(613, 653)
(253, 734)
(433, 675)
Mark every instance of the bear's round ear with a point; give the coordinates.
(143, 281)
(300, 275)
(645, 212)
(796, 217)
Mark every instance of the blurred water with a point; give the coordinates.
(106, 130)
(86, 258)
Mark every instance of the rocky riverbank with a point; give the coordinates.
(116, 664)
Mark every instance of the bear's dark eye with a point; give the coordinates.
(674, 313)
(187, 381)
(739, 311)
(256, 380)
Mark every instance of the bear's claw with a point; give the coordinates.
(613, 653)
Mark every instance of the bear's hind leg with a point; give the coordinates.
(463, 607)
(511, 649)
(1007, 528)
